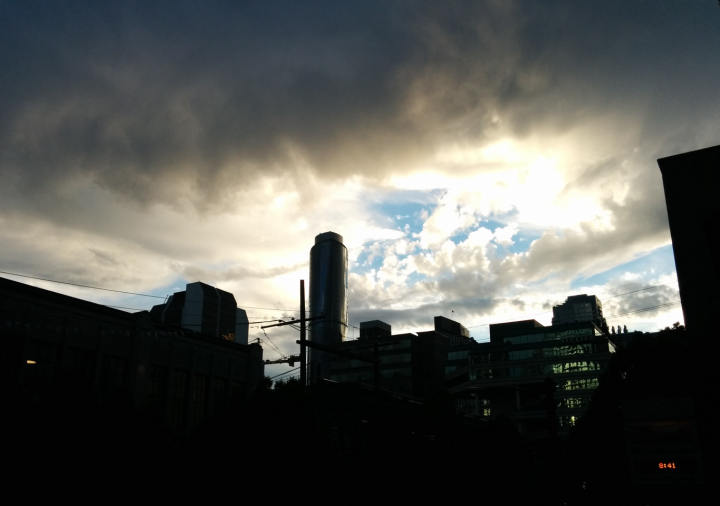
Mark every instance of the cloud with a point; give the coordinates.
(142, 144)
(188, 104)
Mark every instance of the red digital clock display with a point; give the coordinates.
(666, 466)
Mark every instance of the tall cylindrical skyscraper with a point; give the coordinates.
(328, 295)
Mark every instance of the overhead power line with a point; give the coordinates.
(640, 290)
(606, 298)
(82, 286)
(642, 310)
(284, 373)
(241, 306)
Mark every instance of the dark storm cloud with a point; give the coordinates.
(166, 101)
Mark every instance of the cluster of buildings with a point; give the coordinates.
(189, 357)
(506, 376)
(186, 360)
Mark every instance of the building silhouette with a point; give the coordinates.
(579, 308)
(411, 364)
(692, 182)
(205, 309)
(459, 342)
(375, 329)
(183, 376)
(328, 297)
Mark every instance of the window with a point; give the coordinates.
(458, 355)
(573, 402)
(387, 359)
(567, 421)
(579, 384)
(157, 380)
(401, 387)
(481, 374)
(41, 363)
(82, 364)
(237, 391)
(219, 395)
(177, 408)
(112, 372)
(450, 368)
(404, 372)
(476, 406)
(199, 398)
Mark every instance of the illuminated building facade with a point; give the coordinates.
(506, 376)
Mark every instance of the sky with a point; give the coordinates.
(483, 160)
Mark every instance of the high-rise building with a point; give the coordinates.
(328, 296)
(579, 308)
(205, 309)
(692, 181)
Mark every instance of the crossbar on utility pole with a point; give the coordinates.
(341, 353)
(292, 322)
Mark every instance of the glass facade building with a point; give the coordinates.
(506, 376)
(328, 296)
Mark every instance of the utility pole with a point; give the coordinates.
(303, 342)
(550, 410)
(376, 356)
(303, 354)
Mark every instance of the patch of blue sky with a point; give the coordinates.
(462, 236)
(659, 262)
(415, 277)
(363, 266)
(404, 207)
(522, 241)
(131, 303)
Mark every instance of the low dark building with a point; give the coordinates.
(184, 376)
(411, 364)
(374, 329)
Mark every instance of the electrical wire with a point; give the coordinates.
(74, 317)
(606, 298)
(294, 311)
(82, 286)
(273, 344)
(132, 293)
(642, 310)
(640, 290)
(284, 373)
